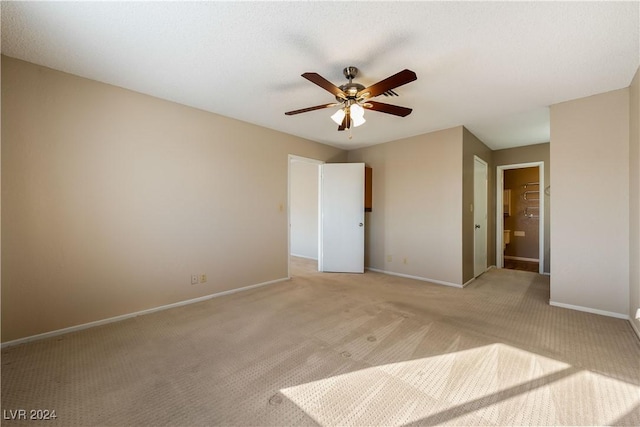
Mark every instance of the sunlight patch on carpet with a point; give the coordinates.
(491, 385)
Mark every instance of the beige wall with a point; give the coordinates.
(417, 205)
(472, 146)
(111, 199)
(304, 209)
(590, 209)
(634, 199)
(533, 153)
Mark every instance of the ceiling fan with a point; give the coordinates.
(353, 98)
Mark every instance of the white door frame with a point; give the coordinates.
(500, 211)
(291, 159)
(485, 225)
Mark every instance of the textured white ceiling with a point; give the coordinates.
(494, 67)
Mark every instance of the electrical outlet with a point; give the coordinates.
(404, 261)
(194, 279)
(203, 278)
(389, 258)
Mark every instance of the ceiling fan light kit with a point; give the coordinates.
(356, 112)
(357, 115)
(338, 116)
(354, 98)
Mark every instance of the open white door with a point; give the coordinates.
(480, 181)
(341, 242)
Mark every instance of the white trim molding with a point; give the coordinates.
(422, 279)
(500, 215)
(590, 310)
(130, 315)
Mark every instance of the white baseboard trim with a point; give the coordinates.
(304, 256)
(423, 279)
(130, 315)
(519, 258)
(635, 328)
(464, 285)
(589, 310)
(546, 274)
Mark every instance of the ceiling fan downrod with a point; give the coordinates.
(350, 72)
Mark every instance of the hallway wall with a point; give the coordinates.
(590, 207)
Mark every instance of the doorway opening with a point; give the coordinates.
(303, 210)
(520, 217)
(325, 213)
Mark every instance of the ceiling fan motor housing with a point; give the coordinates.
(350, 89)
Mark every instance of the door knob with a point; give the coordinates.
(477, 225)
(360, 225)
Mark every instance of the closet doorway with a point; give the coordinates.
(520, 217)
(325, 210)
(303, 210)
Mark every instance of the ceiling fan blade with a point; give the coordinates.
(387, 108)
(398, 79)
(346, 122)
(317, 107)
(343, 125)
(324, 83)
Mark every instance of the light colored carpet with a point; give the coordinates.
(340, 349)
